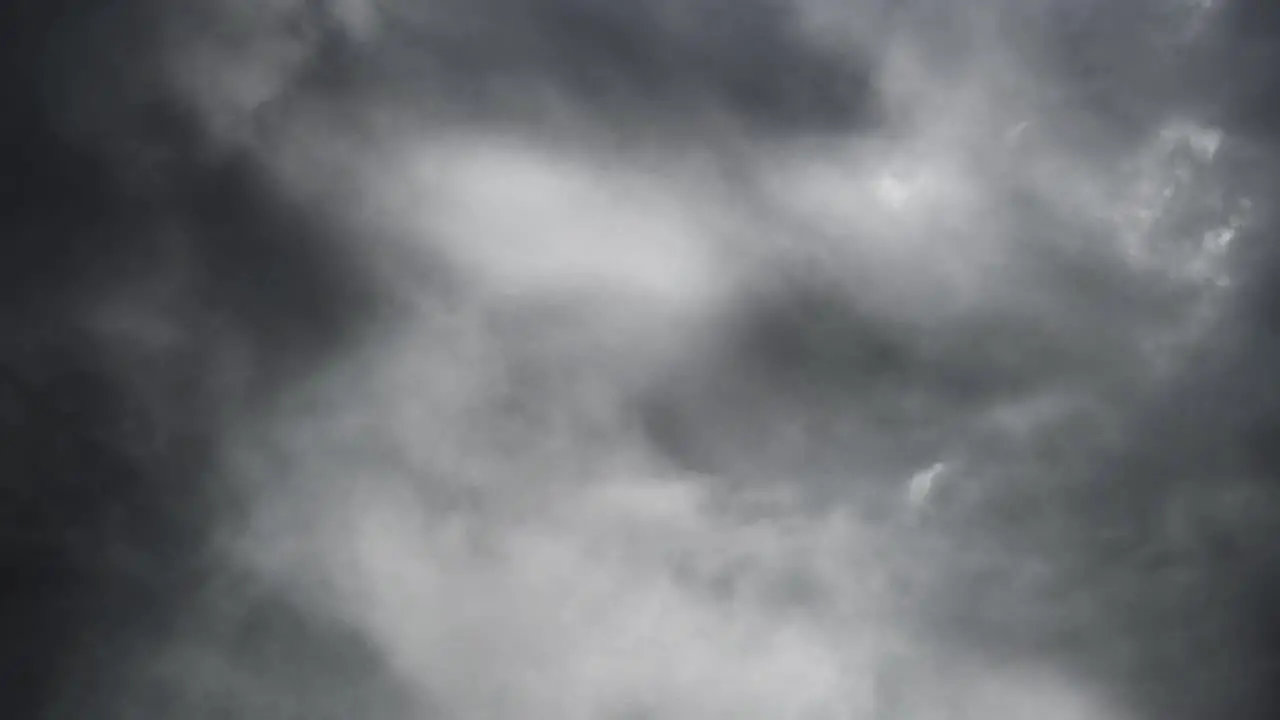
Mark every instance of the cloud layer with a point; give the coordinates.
(675, 359)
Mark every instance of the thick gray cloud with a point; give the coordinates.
(668, 359)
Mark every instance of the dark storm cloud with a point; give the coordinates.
(147, 282)
(747, 61)
(993, 303)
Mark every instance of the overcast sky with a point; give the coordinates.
(638, 359)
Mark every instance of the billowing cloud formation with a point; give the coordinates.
(670, 359)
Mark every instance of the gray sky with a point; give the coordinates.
(670, 359)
